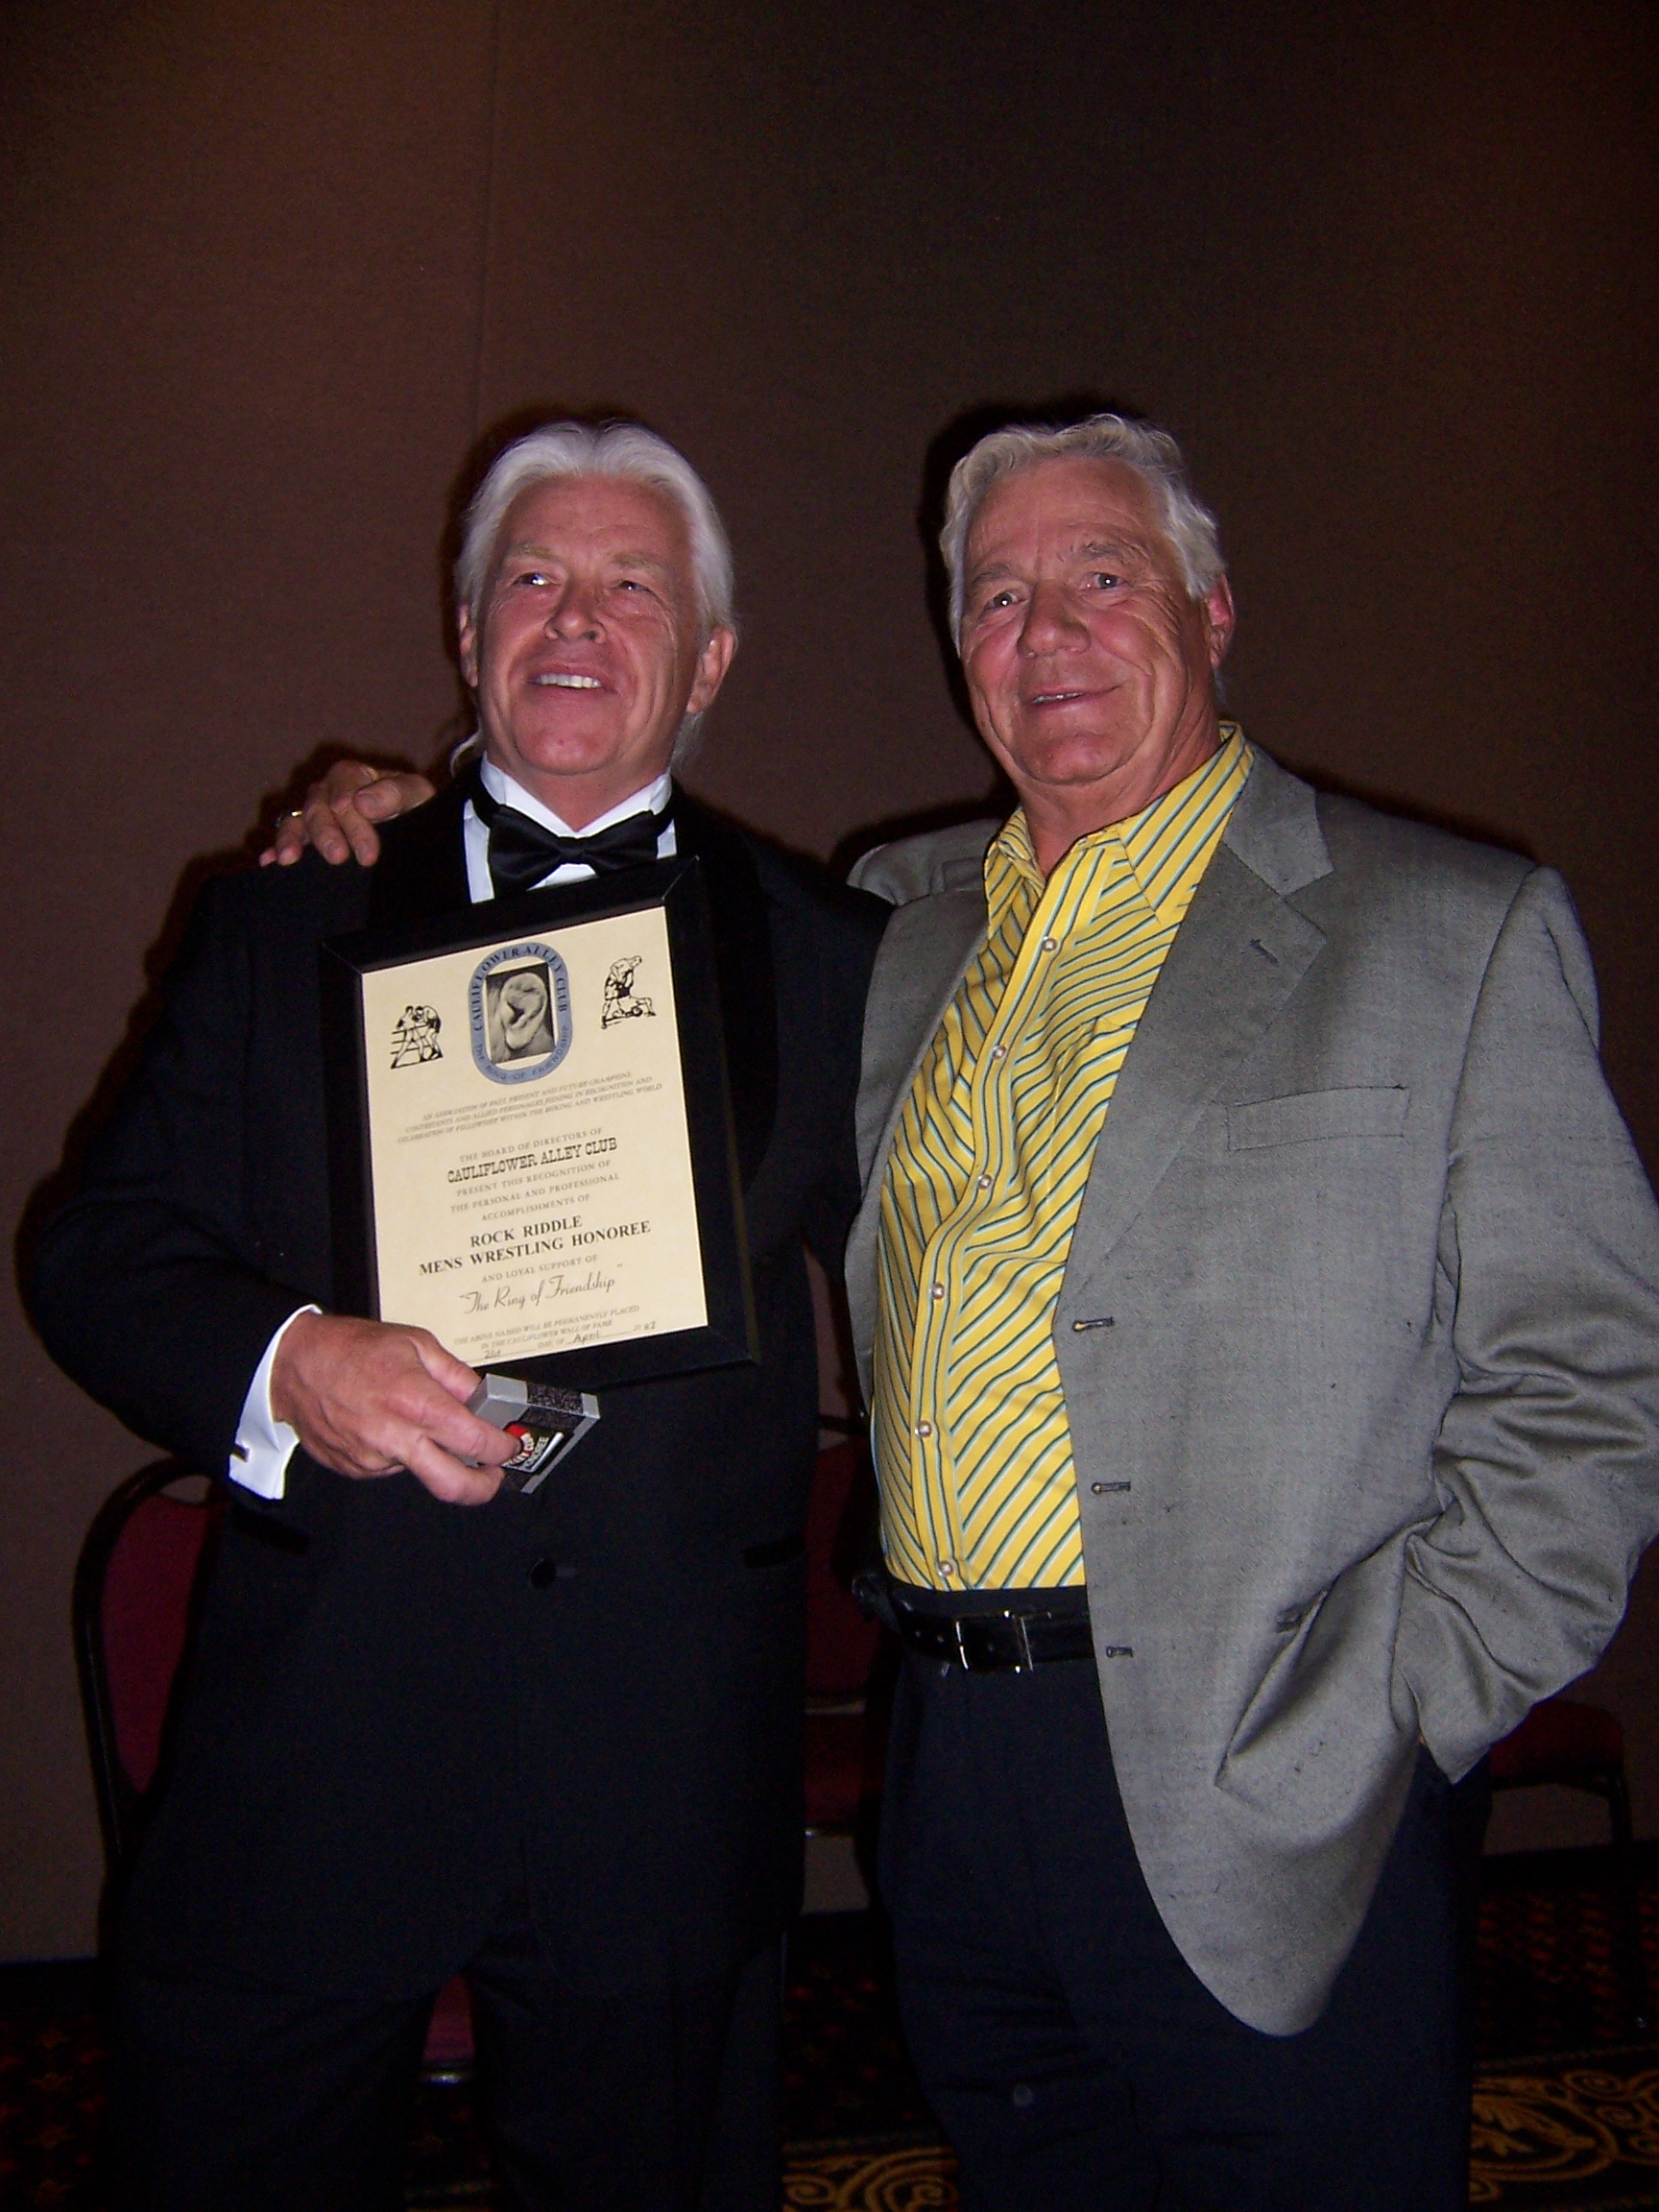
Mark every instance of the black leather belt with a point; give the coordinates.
(1004, 1643)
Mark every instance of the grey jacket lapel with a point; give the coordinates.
(1236, 958)
(925, 953)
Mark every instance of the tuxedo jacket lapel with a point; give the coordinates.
(744, 966)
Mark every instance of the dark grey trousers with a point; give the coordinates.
(1076, 2062)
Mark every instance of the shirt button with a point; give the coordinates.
(947, 1566)
(924, 1428)
(984, 1182)
(1050, 944)
(545, 1571)
(998, 1052)
(938, 1290)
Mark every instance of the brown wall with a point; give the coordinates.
(271, 267)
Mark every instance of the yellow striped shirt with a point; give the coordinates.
(986, 1178)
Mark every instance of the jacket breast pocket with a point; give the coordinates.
(1311, 1117)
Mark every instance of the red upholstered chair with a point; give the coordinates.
(135, 1586)
(448, 2052)
(1582, 1748)
(1579, 1745)
(845, 1730)
(135, 1596)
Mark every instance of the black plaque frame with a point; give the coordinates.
(727, 1337)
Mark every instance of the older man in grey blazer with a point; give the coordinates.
(1259, 1301)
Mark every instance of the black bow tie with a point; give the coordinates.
(522, 853)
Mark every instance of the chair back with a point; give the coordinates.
(134, 1591)
(134, 1606)
(1561, 1740)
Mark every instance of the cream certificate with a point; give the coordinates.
(530, 1164)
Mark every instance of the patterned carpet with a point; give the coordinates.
(1576, 2134)
(869, 2177)
(1566, 2135)
(1565, 2115)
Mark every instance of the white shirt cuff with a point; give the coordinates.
(264, 1445)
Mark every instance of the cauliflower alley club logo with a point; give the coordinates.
(518, 1006)
(414, 1037)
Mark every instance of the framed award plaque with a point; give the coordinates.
(531, 1134)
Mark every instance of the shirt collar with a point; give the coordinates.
(1011, 861)
(651, 800)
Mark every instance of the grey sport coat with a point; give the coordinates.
(1359, 1341)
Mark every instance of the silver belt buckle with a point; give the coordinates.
(1024, 1663)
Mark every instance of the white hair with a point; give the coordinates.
(1153, 454)
(625, 449)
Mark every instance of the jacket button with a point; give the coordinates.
(543, 1572)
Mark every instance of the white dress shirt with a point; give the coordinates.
(264, 1445)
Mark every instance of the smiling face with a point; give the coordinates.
(1089, 666)
(588, 652)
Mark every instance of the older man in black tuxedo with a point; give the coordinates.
(551, 1740)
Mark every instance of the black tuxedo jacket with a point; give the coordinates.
(399, 1708)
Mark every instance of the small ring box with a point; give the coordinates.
(547, 1422)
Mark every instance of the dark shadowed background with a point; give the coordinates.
(272, 269)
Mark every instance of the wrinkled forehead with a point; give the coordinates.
(616, 517)
(1067, 502)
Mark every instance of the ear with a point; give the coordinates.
(467, 636)
(712, 663)
(1220, 619)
